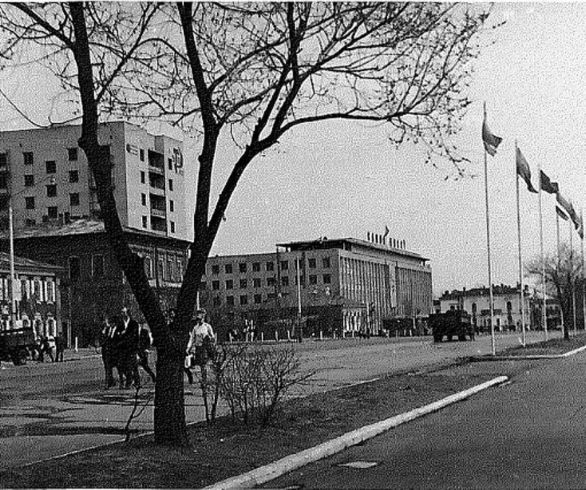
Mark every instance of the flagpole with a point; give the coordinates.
(520, 254)
(543, 312)
(571, 222)
(488, 249)
(557, 226)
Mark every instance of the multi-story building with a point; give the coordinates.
(56, 213)
(356, 283)
(48, 177)
(506, 306)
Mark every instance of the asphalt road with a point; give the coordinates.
(51, 408)
(528, 434)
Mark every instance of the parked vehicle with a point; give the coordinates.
(453, 323)
(16, 344)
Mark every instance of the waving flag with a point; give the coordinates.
(547, 185)
(491, 141)
(524, 171)
(566, 206)
(561, 214)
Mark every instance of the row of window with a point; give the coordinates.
(97, 266)
(29, 179)
(29, 158)
(270, 282)
(29, 203)
(257, 299)
(143, 181)
(143, 198)
(40, 290)
(145, 225)
(269, 266)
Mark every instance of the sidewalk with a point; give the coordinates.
(527, 434)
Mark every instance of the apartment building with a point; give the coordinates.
(358, 283)
(48, 177)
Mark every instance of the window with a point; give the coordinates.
(148, 266)
(97, 265)
(311, 263)
(258, 299)
(243, 300)
(73, 176)
(230, 300)
(242, 267)
(256, 267)
(4, 180)
(229, 284)
(326, 262)
(74, 199)
(143, 199)
(52, 190)
(312, 279)
(172, 226)
(215, 269)
(285, 280)
(29, 202)
(301, 279)
(29, 180)
(51, 166)
(170, 163)
(74, 268)
(141, 155)
(50, 292)
(327, 279)
(217, 301)
(30, 222)
(270, 266)
(72, 154)
(271, 281)
(3, 159)
(142, 177)
(284, 265)
(216, 285)
(28, 157)
(144, 222)
(256, 282)
(170, 184)
(243, 284)
(171, 206)
(228, 268)
(52, 212)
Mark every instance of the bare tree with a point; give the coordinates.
(563, 280)
(255, 71)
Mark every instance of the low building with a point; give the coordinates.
(342, 286)
(506, 307)
(37, 295)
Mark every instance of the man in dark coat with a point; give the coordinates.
(129, 347)
(108, 340)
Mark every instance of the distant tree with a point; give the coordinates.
(563, 280)
(256, 71)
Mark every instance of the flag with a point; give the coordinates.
(547, 185)
(565, 205)
(575, 218)
(491, 141)
(386, 233)
(561, 214)
(581, 228)
(524, 171)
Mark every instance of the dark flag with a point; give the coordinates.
(524, 171)
(561, 214)
(547, 185)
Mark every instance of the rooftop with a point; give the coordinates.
(22, 263)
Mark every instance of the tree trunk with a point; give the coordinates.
(170, 428)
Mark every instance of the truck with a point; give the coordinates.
(452, 323)
(16, 344)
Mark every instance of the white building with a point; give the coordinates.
(49, 179)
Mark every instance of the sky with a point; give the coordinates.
(345, 180)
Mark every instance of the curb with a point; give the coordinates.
(529, 357)
(273, 470)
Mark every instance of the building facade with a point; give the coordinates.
(506, 307)
(92, 283)
(37, 295)
(48, 177)
(359, 283)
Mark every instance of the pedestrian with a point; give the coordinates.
(128, 346)
(59, 347)
(108, 341)
(145, 341)
(201, 343)
(50, 347)
(171, 314)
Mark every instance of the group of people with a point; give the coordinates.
(52, 346)
(125, 347)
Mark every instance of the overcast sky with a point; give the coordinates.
(344, 180)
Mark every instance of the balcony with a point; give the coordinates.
(156, 162)
(159, 213)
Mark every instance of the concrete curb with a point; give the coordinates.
(529, 357)
(273, 470)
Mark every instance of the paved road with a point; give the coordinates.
(527, 434)
(49, 409)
